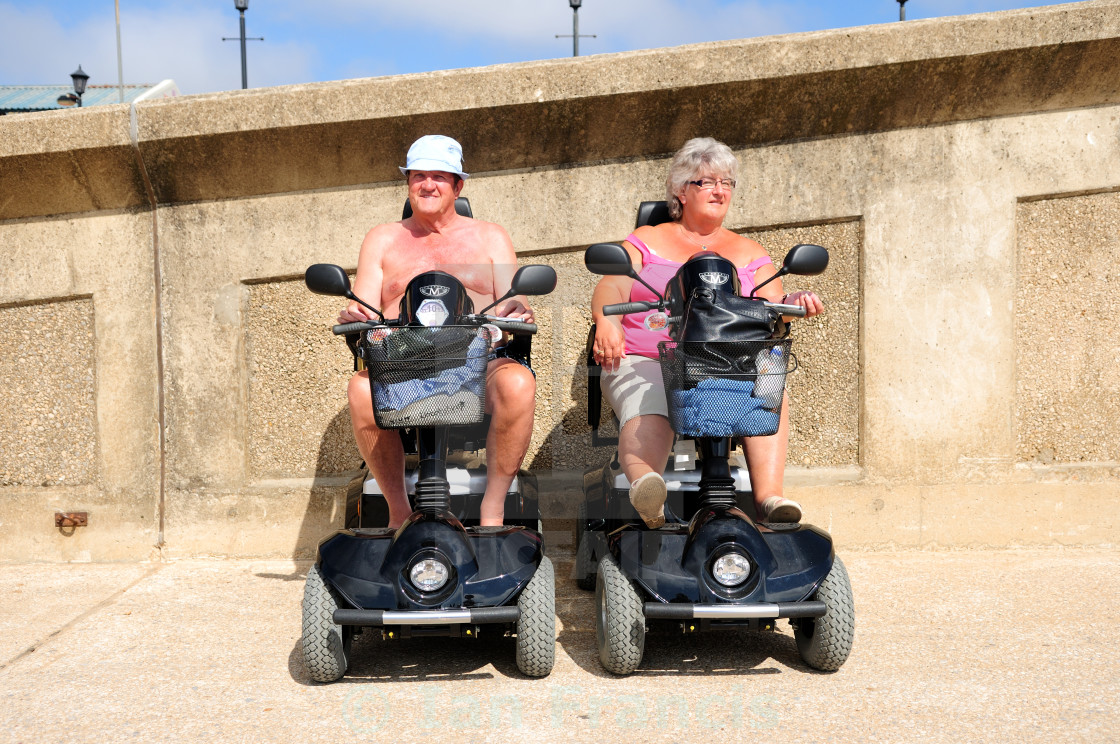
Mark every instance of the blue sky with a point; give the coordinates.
(43, 41)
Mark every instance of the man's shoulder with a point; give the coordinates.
(480, 227)
(386, 233)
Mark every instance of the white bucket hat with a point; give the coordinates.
(435, 152)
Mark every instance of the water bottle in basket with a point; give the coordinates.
(771, 382)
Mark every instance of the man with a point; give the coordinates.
(481, 256)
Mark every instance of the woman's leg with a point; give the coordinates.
(766, 461)
(644, 445)
(643, 448)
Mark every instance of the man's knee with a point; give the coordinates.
(515, 386)
(357, 391)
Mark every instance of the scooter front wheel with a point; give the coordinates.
(620, 624)
(326, 646)
(536, 626)
(825, 642)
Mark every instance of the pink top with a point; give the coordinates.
(658, 271)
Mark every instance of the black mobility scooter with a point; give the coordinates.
(440, 574)
(712, 565)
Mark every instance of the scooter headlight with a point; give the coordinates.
(429, 574)
(731, 569)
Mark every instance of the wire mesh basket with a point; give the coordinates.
(726, 388)
(427, 376)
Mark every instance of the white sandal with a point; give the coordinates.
(647, 495)
(780, 509)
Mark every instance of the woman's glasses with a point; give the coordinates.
(707, 184)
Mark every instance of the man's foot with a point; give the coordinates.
(647, 495)
(780, 509)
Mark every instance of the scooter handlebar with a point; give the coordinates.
(357, 327)
(513, 326)
(622, 308)
(795, 311)
(505, 324)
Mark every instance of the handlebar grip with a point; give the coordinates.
(513, 326)
(795, 311)
(357, 327)
(622, 308)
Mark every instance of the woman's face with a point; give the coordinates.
(707, 195)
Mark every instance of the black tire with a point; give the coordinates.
(536, 627)
(326, 646)
(585, 561)
(620, 623)
(825, 642)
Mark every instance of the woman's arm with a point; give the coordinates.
(774, 291)
(610, 341)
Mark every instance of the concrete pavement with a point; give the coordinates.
(950, 646)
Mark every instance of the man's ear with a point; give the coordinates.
(458, 186)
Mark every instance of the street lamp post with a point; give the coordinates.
(575, 27)
(902, 10)
(242, 6)
(80, 79)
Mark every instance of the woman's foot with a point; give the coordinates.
(647, 495)
(778, 509)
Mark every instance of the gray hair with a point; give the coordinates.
(698, 154)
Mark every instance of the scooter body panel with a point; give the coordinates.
(369, 568)
(672, 564)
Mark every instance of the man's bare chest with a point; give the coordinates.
(472, 269)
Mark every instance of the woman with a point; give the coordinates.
(699, 188)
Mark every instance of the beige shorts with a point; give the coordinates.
(635, 388)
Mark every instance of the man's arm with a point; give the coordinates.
(368, 278)
(504, 261)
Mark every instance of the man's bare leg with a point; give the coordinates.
(380, 448)
(510, 399)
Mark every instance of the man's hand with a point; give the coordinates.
(355, 313)
(514, 309)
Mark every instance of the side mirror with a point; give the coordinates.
(610, 259)
(327, 279)
(805, 259)
(534, 279)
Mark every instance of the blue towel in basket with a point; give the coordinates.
(399, 395)
(719, 407)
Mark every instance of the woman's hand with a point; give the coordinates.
(806, 299)
(609, 347)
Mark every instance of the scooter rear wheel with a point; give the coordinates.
(620, 624)
(825, 642)
(326, 646)
(536, 626)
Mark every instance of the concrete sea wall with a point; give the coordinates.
(166, 371)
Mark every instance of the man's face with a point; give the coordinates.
(433, 192)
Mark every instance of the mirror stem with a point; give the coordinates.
(781, 272)
(351, 296)
(503, 298)
(660, 297)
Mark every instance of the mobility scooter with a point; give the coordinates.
(712, 565)
(441, 573)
